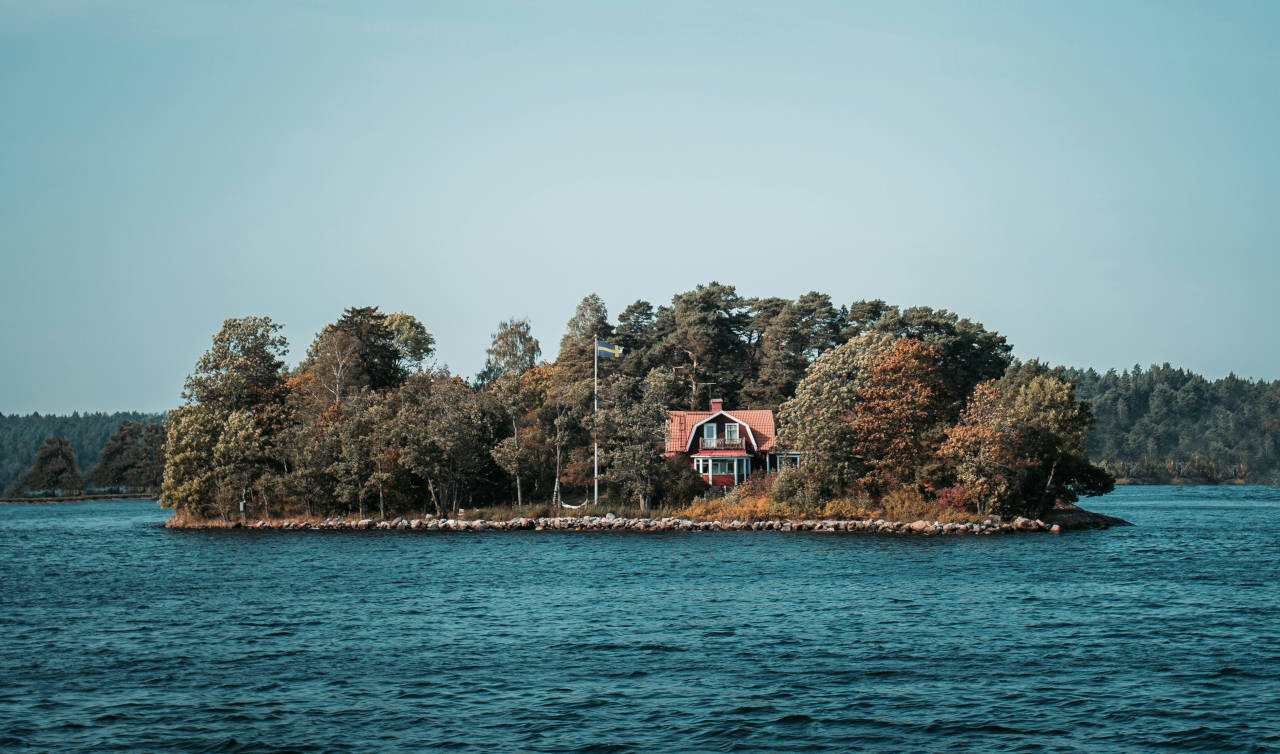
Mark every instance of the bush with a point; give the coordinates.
(801, 490)
(848, 509)
(956, 498)
(679, 484)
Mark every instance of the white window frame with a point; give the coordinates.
(709, 431)
(731, 432)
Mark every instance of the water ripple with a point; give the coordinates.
(121, 636)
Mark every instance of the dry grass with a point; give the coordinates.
(749, 502)
(182, 520)
(907, 505)
(734, 507)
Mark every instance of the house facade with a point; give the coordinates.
(724, 447)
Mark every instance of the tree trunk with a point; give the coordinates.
(1045, 502)
(516, 430)
(382, 505)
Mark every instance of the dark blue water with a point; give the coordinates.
(119, 635)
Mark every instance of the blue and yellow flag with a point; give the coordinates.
(604, 349)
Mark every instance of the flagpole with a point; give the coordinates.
(595, 392)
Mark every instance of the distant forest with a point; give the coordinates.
(1167, 425)
(22, 436)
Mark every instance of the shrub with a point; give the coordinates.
(800, 490)
(956, 498)
(847, 509)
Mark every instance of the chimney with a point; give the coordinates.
(717, 404)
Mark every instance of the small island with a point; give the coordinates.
(714, 412)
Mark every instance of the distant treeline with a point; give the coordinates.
(87, 434)
(1167, 425)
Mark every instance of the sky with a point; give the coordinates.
(1097, 181)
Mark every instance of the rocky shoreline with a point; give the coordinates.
(1058, 520)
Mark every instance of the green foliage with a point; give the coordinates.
(1020, 445)
(817, 419)
(631, 429)
(802, 488)
(55, 470)
(513, 351)
(915, 405)
(411, 339)
(1171, 425)
(967, 352)
(242, 369)
(189, 484)
(21, 437)
(132, 459)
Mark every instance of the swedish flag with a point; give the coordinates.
(604, 349)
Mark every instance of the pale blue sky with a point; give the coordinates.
(1096, 180)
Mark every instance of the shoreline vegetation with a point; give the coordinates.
(1063, 518)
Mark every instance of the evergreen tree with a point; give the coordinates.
(55, 469)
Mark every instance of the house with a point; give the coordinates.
(725, 446)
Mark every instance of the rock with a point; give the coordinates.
(364, 523)
(1055, 529)
(609, 516)
(919, 525)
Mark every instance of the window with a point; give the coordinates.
(709, 431)
(731, 432)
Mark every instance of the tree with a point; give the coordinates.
(631, 429)
(513, 352)
(132, 459)
(190, 484)
(411, 338)
(238, 461)
(447, 435)
(1055, 428)
(367, 347)
(55, 469)
(637, 334)
(816, 419)
(332, 369)
(242, 369)
(986, 450)
(706, 340)
(778, 356)
(895, 420)
(967, 352)
(590, 321)
(1019, 446)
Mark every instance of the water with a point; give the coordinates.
(119, 635)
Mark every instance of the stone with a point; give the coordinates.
(1055, 529)
(919, 525)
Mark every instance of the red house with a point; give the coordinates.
(725, 446)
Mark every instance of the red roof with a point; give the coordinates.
(680, 426)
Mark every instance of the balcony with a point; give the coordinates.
(721, 443)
